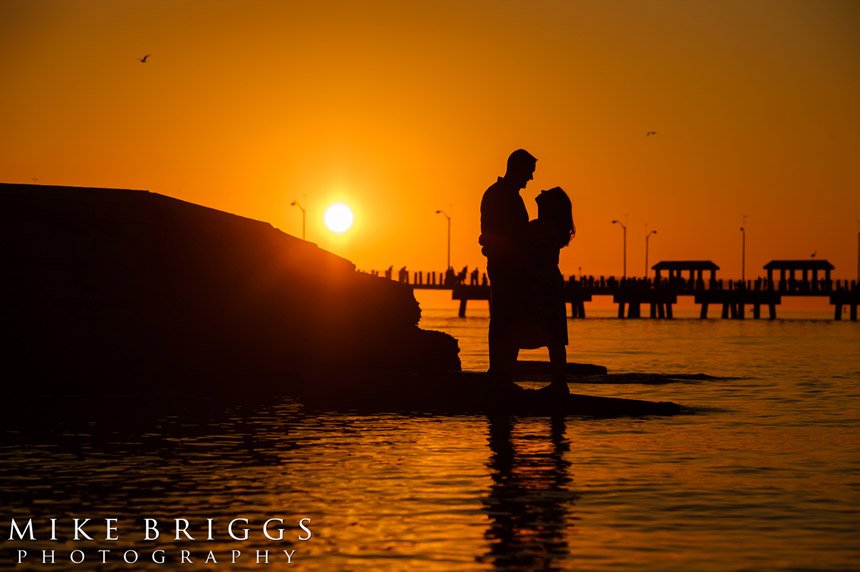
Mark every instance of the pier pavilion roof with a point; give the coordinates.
(685, 265)
(811, 264)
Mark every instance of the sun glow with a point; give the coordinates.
(338, 218)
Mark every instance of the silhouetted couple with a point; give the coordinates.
(526, 301)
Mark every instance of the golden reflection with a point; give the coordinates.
(529, 498)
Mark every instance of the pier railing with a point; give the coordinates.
(659, 294)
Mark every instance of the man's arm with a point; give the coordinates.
(502, 231)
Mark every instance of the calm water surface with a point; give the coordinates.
(765, 477)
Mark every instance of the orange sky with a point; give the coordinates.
(402, 108)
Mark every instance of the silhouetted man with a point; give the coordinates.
(504, 224)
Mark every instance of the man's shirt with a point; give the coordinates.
(504, 223)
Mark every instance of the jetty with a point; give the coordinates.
(673, 279)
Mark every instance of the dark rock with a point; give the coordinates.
(648, 378)
(534, 370)
(471, 393)
(597, 374)
(113, 290)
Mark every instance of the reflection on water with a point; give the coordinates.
(766, 480)
(378, 490)
(530, 495)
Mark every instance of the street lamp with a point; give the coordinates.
(449, 235)
(647, 236)
(297, 204)
(743, 254)
(624, 228)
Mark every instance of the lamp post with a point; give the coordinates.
(647, 236)
(624, 228)
(301, 208)
(449, 236)
(743, 254)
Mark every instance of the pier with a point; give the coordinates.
(672, 279)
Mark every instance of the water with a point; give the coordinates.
(766, 477)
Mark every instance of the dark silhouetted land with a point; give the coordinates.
(127, 291)
(110, 291)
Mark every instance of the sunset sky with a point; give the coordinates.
(399, 109)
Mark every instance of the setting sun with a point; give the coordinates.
(338, 218)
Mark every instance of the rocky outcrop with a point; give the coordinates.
(466, 392)
(110, 290)
(538, 370)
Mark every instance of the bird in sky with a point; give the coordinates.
(144, 58)
(814, 252)
(650, 133)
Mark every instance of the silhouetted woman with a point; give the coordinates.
(548, 234)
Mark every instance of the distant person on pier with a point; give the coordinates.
(547, 327)
(504, 228)
(450, 277)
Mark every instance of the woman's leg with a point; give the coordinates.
(558, 366)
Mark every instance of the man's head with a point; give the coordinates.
(521, 168)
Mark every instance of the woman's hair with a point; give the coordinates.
(555, 208)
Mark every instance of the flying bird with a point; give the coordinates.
(814, 252)
(650, 133)
(144, 58)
